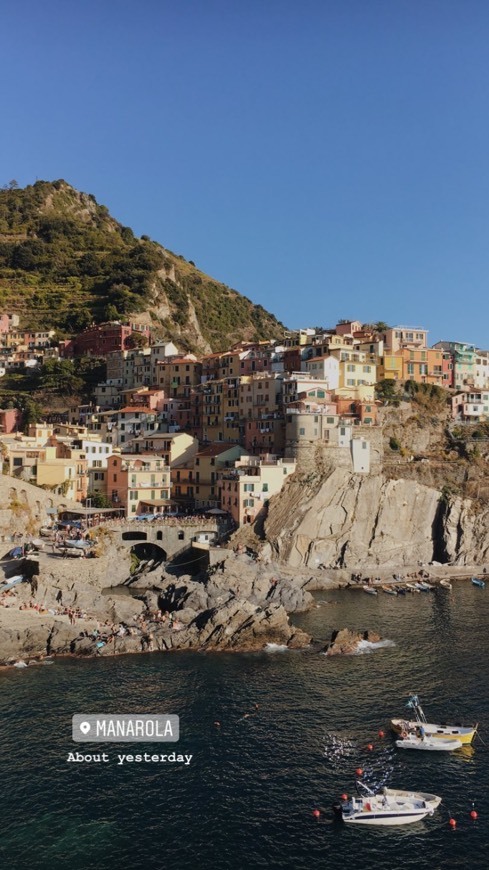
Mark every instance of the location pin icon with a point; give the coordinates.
(84, 727)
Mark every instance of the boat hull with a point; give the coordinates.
(385, 819)
(437, 732)
(430, 745)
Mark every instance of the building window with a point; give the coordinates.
(302, 431)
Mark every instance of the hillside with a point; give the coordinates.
(65, 263)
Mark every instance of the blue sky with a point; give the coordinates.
(327, 158)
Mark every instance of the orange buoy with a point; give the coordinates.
(344, 797)
(316, 814)
(370, 746)
(381, 734)
(473, 814)
(452, 823)
(359, 771)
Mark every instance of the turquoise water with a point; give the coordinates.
(247, 798)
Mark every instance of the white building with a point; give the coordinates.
(326, 368)
(481, 371)
(360, 455)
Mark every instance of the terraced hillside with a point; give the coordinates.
(66, 263)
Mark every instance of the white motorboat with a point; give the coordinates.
(370, 590)
(442, 732)
(389, 807)
(413, 741)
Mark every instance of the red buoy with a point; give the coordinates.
(473, 814)
(359, 771)
(370, 746)
(316, 814)
(344, 797)
(381, 734)
(452, 823)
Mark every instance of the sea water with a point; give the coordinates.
(272, 737)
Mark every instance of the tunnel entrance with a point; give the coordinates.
(146, 552)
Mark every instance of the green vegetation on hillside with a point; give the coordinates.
(66, 263)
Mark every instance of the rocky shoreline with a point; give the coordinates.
(67, 608)
(100, 607)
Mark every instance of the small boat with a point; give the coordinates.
(464, 733)
(432, 744)
(389, 807)
(11, 582)
(389, 590)
(445, 584)
(411, 587)
(477, 582)
(77, 545)
(400, 590)
(46, 532)
(424, 587)
(370, 590)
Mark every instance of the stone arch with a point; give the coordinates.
(147, 550)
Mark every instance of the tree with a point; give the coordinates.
(58, 376)
(111, 313)
(99, 500)
(136, 339)
(78, 320)
(31, 412)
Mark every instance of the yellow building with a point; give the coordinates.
(176, 448)
(391, 367)
(56, 467)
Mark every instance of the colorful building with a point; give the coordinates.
(138, 484)
(246, 489)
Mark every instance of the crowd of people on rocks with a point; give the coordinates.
(142, 625)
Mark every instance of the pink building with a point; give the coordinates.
(10, 420)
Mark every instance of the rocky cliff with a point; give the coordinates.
(352, 520)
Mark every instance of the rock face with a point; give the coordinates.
(241, 606)
(352, 520)
(24, 507)
(346, 642)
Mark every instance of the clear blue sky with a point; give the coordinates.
(327, 158)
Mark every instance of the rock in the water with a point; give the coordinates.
(346, 642)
